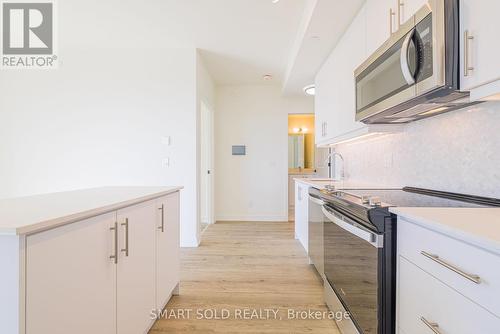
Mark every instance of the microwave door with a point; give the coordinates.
(390, 79)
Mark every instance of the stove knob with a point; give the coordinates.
(375, 201)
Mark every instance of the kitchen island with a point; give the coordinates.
(88, 261)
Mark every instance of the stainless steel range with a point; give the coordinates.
(360, 250)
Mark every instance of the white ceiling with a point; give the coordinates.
(240, 40)
(324, 23)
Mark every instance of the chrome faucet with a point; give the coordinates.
(332, 156)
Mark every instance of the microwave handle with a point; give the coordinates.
(405, 67)
(372, 238)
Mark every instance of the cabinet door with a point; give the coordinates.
(408, 8)
(167, 247)
(379, 22)
(301, 205)
(70, 279)
(136, 269)
(351, 52)
(480, 20)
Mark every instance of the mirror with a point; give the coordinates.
(301, 151)
(296, 148)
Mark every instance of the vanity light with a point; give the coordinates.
(300, 130)
(310, 90)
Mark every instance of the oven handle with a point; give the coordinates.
(316, 200)
(346, 224)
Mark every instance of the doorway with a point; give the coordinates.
(305, 159)
(206, 167)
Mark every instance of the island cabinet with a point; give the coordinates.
(104, 274)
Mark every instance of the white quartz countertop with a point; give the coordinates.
(27, 215)
(476, 226)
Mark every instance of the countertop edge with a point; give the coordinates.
(460, 235)
(69, 219)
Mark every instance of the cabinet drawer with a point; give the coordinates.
(422, 297)
(455, 263)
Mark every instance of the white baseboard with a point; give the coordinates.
(246, 218)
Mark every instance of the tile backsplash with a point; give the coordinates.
(458, 152)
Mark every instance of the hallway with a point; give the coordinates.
(246, 266)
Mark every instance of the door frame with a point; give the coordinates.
(205, 107)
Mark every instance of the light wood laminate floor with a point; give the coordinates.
(246, 266)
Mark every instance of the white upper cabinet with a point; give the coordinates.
(384, 17)
(480, 53)
(407, 8)
(380, 19)
(335, 89)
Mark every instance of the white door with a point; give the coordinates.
(72, 291)
(167, 241)
(136, 267)
(206, 168)
(480, 22)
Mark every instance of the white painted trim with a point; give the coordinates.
(190, 243)
(246, 218)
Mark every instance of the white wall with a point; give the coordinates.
(253, 187)
(99, 119)
(457, 152)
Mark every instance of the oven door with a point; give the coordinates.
(352, 255)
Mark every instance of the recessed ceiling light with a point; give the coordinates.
(310, 90)
(267, 77)
(275, 1)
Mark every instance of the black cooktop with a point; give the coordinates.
(416, 197)
(370, 207)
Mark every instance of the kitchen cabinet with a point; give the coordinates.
(291, 186)
(75, 266)
(70, 279)
(480, 52)
(378, 30)
(449, 272)
(335, 87)
(136, 267)
(302, 213)
(383, 17)
(167, 250)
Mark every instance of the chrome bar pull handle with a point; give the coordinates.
(162, 226)
(115, 230)
(401, 5)
(471, 277)
(434, 327)
(391, 20)
(126, 237)
(467, 67)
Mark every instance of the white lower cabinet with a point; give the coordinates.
(168, 243)
(426, 303)
(106, 274)
(444, 285)
(136, 267)
(70, 279)
(301, 214)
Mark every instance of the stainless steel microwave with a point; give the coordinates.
(415, 74)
